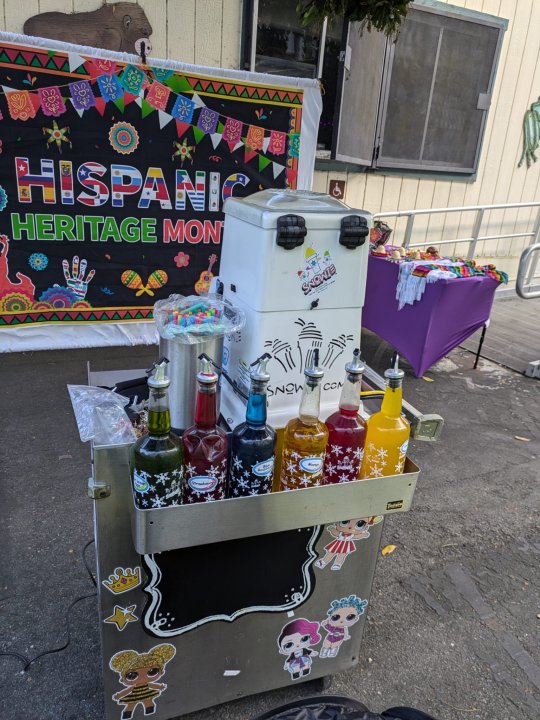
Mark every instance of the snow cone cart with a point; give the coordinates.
(205, 603)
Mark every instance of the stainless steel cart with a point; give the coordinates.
(202, 604)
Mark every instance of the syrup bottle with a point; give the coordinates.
(253, 442)
(387, 436)
(205, 444)
(347, 430)
(156, 458)
(305, 437)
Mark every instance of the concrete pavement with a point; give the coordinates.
(453, 624)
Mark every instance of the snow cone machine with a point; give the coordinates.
(295, 262)
(205, 603)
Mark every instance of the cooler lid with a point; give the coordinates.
(265, 207)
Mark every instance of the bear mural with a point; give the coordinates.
(113, 27)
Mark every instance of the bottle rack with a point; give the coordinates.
(168, 528)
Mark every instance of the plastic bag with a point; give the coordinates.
(190, 319)
(100, 415)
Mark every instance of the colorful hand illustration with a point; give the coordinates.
(75, 281)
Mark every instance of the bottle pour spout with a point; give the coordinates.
(158, 378)
(356, 366)
(259, 373)
(206, 374)
(394, 375)
(314, 371)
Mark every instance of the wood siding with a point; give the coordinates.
(208, 32)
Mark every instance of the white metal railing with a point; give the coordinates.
(523, 280)
(475, 236)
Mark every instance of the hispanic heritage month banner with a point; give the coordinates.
(113, 177)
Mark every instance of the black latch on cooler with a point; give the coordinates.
(291, 231)
(354, 230)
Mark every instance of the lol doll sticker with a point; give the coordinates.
(346, 533)
(295, 641)
(341, 615)
(139, 672)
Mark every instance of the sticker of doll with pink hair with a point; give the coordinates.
(295, 641)
(346, 534)
(341, 615)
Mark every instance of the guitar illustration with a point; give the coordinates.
(202, 286)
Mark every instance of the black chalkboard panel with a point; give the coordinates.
(222, 581)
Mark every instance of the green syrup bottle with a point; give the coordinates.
(157, 458)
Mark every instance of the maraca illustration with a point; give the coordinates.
(76, 281)
(133, 281)
(202, 286)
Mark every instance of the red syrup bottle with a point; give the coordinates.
(347, 430)
(206, 445)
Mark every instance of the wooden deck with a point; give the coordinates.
(513, 336)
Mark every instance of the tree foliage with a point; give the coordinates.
(383, 15)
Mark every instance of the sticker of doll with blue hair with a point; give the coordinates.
(341, 615)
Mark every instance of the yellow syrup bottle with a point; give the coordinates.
(305, 437)
(388, 432)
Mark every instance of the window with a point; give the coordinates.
(420, 103)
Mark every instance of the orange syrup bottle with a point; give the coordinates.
(305, 437)
(388, 431)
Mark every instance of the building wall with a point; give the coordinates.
(208, 32)
(498, 180)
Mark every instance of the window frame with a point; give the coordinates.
(381, 97)
(464, 14)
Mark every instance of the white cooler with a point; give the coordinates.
(295, 262)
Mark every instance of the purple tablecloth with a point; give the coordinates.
(448, 313)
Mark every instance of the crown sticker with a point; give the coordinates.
(123, 579)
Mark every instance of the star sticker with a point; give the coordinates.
(122, 616)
